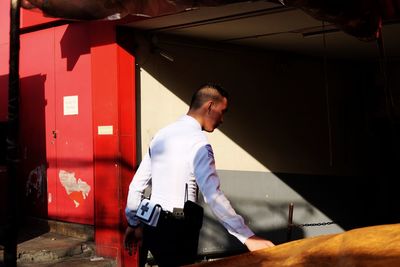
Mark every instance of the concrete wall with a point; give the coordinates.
(278, 113)
(290, 134)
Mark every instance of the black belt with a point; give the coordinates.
(176, 215)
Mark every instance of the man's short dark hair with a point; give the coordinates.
(206, 92)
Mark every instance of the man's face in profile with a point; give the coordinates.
(215, 114)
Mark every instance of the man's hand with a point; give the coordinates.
(133, 238)
(256, 243)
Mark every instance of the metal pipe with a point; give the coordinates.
(12, 152)
(389, 102)
(290, 223)
(233, 17)
(327, 99)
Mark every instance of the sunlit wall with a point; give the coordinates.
(277, 125)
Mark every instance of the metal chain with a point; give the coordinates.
(313, 224)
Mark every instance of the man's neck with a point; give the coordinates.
(195, 115)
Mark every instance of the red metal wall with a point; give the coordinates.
(113, 105)
(55, 63)
(4, 55)
(75, 168)
(83, 60)
(34, 17)
(37, 122)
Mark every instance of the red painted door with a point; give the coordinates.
(73, 129)
(37, 120)
(56, 121)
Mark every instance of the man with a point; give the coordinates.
(179, 160)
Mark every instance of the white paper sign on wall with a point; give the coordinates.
(105, 130)
(71, 105)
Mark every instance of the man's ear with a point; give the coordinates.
(209, 105)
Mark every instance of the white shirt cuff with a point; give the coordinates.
(244, 234)
(131, 217)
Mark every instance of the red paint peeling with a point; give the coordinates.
(76, 189)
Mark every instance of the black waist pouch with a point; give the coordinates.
(193, 214)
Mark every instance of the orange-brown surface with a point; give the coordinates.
(375, 246)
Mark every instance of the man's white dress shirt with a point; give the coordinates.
(180, 154)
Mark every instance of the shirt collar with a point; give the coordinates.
(190, 120)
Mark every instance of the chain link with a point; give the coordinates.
(312, 224)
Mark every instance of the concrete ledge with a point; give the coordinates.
(81, 231)
(81, 262)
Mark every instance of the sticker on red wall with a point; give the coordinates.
(71, 105)
(76, 189)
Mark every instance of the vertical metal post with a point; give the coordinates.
(327, 100)
(389, 101)
(290, 223)
(12, 153)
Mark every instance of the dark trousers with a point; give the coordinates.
(172, 243)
